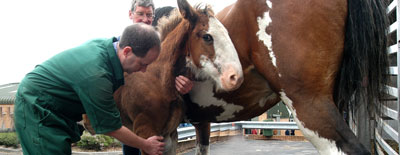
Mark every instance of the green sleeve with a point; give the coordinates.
(96, 95)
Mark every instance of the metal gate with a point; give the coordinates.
(386, 129)
(383, 128)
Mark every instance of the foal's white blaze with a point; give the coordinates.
(323, 145)
(226, 59)
(202, 93)
(263, 23)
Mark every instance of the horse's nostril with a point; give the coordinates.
(233, 77)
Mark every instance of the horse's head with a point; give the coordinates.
(210, 51)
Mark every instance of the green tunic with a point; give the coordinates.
(53, 97)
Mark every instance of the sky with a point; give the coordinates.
(32, 31)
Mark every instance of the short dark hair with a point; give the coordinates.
(143, 3)
(141, 38)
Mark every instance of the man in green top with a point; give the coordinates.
(53, 97)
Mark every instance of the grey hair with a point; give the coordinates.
(142, 3)
(141, 38)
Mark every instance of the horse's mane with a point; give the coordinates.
(167, 23)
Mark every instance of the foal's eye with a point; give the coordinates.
(207, 38)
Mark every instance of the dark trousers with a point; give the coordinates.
(127, 150)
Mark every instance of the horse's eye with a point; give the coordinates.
(207, 38)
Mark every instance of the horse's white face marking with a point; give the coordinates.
(202, 94)
(263, 23)
(323, 145)
(226, 57)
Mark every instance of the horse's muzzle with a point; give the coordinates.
(231, 78)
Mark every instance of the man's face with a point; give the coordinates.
(134, 63)
(142, 15)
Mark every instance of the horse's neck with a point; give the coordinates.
(173, 50)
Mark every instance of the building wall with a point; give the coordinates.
(6, 116)
(265, 115)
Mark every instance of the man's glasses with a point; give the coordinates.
(142, 15)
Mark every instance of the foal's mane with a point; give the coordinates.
(168, 23)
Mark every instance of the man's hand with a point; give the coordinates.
(183, 84)
(154, 145)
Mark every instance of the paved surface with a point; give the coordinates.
(10, 151)
(235, 146)
(241, 146)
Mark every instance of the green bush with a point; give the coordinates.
(9, 139)
(96, 142)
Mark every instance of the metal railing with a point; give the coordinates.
(387, 128)
(188, 132)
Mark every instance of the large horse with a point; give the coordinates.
(193, 41)
(311, 54)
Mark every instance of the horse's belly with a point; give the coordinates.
(252, 99)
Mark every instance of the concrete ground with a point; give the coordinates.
(237, 145)
(241, 146)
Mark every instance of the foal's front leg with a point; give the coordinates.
(202, 138)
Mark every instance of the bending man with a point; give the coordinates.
(53, 97)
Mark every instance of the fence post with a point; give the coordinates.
(398, 70)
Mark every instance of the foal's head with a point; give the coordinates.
(209, 51)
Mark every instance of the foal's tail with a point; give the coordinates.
(364, 70)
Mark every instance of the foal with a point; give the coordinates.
(194, 41)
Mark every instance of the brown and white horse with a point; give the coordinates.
(192, 38)
(311, 54)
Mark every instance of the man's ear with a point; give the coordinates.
(126, 51)
(130, 14)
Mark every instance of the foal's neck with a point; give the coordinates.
(172, 56)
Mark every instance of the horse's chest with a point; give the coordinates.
(254, 95)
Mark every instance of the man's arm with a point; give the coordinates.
(152, 145)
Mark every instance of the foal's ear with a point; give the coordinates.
(187, 11)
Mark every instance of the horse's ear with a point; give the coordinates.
(187, 11)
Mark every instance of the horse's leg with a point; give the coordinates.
(145, 131)
(308, 91)
(321, 123)
(172, 144)
(144, 126)
(308, 94)
(302, 65)
(202, 138)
